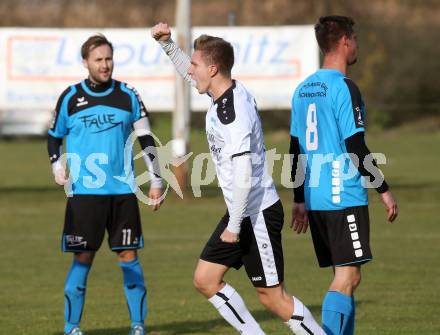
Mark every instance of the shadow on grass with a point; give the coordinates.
(214, 191)
(190, 327)
(31, 189)
(207, 191)
(403, 184)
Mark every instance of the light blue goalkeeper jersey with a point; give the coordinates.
(327, 108)
(96, 126)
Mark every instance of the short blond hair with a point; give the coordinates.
(217, 51)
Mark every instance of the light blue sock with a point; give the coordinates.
(337, 311)
(74, 294)
(350, 326)
(135, 291)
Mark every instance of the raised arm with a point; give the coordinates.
(161, 32)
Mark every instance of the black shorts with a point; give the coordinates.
(259, 249)
(88, 216)
(341, 237)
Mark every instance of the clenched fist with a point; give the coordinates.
(161, 32)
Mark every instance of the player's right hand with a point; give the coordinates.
(300, 219)
(390, 205)
(60, 177)
(155, 195)
(229, 237)
(161, 32)
(59, 173)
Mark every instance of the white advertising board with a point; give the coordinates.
(38, 64)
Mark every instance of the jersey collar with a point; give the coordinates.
(332, 71)
(98, 90)
(225, 93)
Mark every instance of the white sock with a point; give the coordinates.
(231, 306)
(302, 321)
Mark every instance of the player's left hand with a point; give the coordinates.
(154, 195)
(229, 237)
(300, 219)
(390, 205)
(161, 32)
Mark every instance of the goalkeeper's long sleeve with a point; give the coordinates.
(54, 145)
(148, 145)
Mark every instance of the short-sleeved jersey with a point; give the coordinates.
(233, 128)
(96, 125)
(327, 108)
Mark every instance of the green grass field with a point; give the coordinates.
(399, 293)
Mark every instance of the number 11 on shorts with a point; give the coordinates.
(126, 236)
